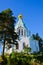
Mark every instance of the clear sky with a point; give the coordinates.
(32, 11)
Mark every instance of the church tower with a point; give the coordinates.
(23, 33)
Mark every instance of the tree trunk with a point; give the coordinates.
(3, 47)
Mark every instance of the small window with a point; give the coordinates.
(22, 32)
(19, 32)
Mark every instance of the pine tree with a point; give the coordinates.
(7, 31)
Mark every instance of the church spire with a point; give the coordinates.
(20, 21)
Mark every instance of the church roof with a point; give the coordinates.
(20, 23)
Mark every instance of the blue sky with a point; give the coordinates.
(32, 11)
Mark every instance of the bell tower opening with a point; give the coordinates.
(21, 32)
(18, 31)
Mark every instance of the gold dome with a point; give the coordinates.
(20, 16)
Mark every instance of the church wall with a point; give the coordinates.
(34, 45)
(24, 40)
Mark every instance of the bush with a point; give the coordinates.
(42, 63)
(20, 59)
(1, 59)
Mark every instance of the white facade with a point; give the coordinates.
(24, 37)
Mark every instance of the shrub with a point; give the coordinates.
(42, 63)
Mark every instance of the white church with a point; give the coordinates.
(24, 39)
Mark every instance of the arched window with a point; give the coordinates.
(22, 32)
(19, 32)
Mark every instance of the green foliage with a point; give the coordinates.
(5, 61)
(27, 49)
(20, 58)
(41, 63)
(7, 33)
(32, 62)
(1, 59)
(16, 58)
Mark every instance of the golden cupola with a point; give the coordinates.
(20, 16)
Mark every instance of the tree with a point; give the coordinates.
(7, 21)
(27, 49)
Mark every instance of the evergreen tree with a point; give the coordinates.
(7, 31)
